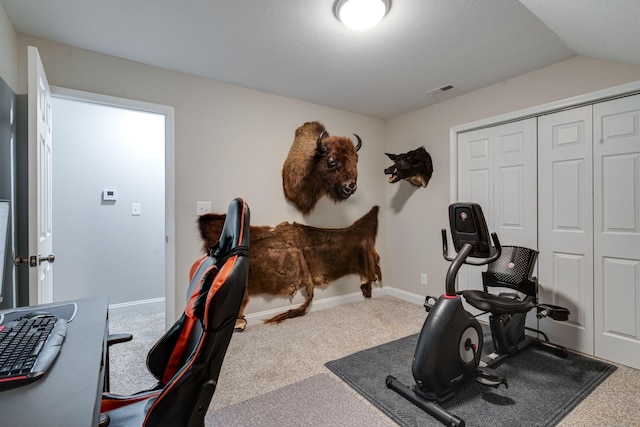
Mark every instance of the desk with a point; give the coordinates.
(69, 394)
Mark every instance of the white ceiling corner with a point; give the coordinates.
(601, 29)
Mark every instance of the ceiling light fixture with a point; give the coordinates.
(361, 14)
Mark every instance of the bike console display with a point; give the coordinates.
(469, 226)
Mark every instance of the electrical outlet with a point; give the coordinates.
(203, 208)
(423, 278)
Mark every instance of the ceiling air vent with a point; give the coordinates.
(439, 90)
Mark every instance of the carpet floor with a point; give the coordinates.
(318, 401)
(266, 358)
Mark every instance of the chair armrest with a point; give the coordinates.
(111, 401)
(118, 338)
(111, 340)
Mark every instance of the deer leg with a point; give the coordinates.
(366, 289)
(295, 312)
(370, 270)
(308, 286)
(241, 322)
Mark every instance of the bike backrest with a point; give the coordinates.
(514, 269)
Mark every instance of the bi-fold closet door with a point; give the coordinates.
(616, 197)
(586, 223)
(565, 223)
(497, 169)
(589, 225)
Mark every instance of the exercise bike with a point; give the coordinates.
(449, 347)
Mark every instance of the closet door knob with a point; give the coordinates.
(49, 258)
(18, 261)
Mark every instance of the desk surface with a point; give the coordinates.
(69, 394)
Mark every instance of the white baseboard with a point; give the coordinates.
(405, 295)
(324, 303)
(131, 306)
(258, 317)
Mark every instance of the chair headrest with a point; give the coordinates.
(234, 231)
(234, 240)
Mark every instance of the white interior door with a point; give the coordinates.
(617, 230)
(497, 169)
(565, 263)
(40, 190)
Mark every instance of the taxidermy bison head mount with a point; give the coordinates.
(415, 166)
(319, 164)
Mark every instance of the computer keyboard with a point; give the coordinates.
(28, 347)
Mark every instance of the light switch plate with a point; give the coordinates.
(136, 209)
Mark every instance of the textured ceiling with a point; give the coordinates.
(298, 49)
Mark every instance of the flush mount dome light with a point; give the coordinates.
(361, 14)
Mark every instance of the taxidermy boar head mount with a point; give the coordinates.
(414, 166)
(319, 164)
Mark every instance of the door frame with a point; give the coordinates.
(169, 151)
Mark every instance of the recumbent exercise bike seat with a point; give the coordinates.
(514, 270)
(496, 304)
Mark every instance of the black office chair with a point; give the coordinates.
(186, 361)
(514, 270)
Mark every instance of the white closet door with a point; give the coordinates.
(515, 208)
(565, 263)
(617, 230)
(497, 169)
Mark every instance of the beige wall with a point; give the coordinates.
(8, 57)
(415, 217)
(229, 142)
(216, 123)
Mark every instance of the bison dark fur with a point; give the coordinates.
(296, 256)
(415, 166)
(319, 164)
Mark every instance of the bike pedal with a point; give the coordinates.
(490, 380)
(429, 302)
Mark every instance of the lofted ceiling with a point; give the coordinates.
(298, 49)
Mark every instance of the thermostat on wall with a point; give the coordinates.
(109, 194)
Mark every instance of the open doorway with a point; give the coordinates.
(112, 201)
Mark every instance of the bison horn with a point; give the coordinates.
(359, 144)
(321, 147)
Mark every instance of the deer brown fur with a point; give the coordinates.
(294, 256)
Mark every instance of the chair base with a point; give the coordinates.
(104, 420)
